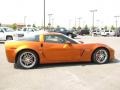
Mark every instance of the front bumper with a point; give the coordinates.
(112, 55)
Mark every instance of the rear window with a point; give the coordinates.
(30, 38)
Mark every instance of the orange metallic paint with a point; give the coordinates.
(54, 52)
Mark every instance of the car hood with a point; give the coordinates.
(95, 45)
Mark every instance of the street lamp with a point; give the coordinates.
(25, 20)
(49, 15)
(52, 23)
(75, 23)
(93, 11)
(79, 20)
(116, 17)
(44, 15)
(69, 23)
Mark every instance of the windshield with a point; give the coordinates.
(8, 30)
(77, 42)
(61, 39)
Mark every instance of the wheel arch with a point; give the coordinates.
(100, 48)
(9, 36)
(27, 50)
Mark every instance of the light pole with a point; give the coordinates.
(116, 17)
(69, 23)
(44, 15)
(75, 23)
(52, 24)
(79, 20)
(25, 21)
(49, 15)
(93, 11)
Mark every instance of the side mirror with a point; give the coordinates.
(81, 42)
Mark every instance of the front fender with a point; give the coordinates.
(89, 50)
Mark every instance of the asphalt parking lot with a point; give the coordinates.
(73, 76)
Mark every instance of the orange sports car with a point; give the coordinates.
(55, 48)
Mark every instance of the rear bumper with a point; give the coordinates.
(10, 54)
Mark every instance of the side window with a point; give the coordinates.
(37, 37)
(31, 38)
(30, 30)
(119, 31)
(53, 39)
(1, 30)
(24, 29)
(57, 39)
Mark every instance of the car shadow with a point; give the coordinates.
(114, 61)
(73, 64)
(44, 66)
(62, 65)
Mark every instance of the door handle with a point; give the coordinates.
(41, 45)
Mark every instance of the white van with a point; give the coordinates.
(107, 32)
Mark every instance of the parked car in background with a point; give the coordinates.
(107, 33)
(29, 29)
(117, 32)
(84, 32)
(112, 33)
(64, 31)
(26, 31)
(104, 32)
(8, 34)
(95, 32)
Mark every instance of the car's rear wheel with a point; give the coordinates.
(9, 38)
(100, 56)
(27, 59)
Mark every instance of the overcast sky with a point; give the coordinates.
(64, 11)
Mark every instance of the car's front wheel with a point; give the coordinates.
(27, 59)
(100, 56)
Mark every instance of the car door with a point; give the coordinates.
(55, 49)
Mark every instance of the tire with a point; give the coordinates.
(27, 59)
(9, 38)
(95, 34)
(100, 56)
(108, 34)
